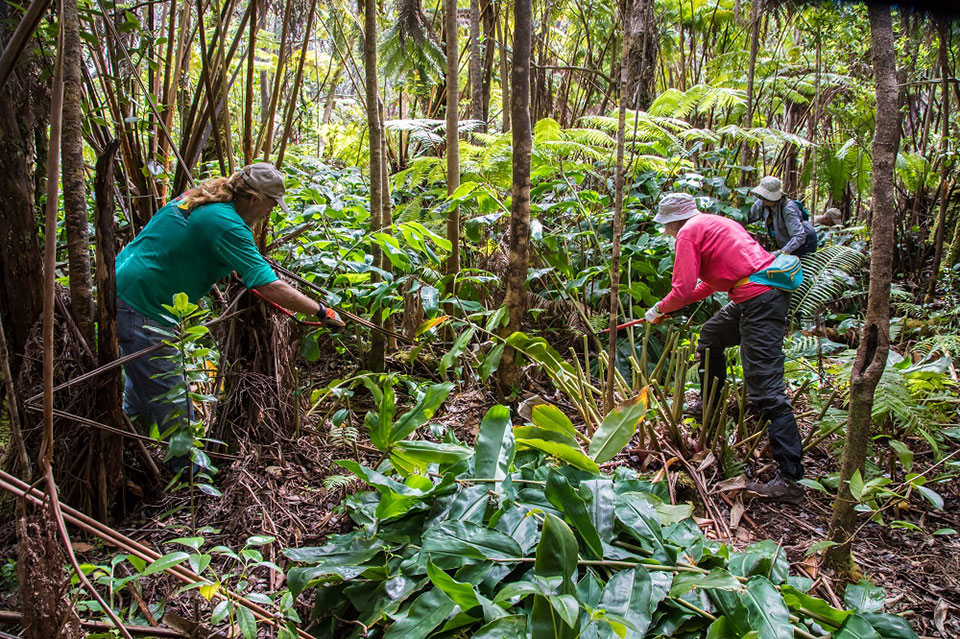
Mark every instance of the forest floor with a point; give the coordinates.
(279, 491)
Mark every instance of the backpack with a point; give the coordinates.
(803, 210)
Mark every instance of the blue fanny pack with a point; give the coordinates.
(785, 273)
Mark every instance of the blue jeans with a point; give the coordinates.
(144, 388)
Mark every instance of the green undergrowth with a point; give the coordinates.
(511, 542)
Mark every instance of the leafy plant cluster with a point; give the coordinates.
(510, 541)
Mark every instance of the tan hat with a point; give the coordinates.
(264, 178)
(770, 189)
(675, 207)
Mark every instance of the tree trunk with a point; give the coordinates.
(944, 30)
(110, 459)
(453, 137)
(625, 75)
(488, 20)
(23, 115)
(640, 57)
(475, 69)
(747, 152)
(504, 70)
(74, 180)
(509, 373)
(875, 336)
(376, 358)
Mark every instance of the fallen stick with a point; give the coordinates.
(12, 616)
(112, 537)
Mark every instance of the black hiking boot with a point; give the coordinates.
(780, 488)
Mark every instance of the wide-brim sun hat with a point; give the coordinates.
(676, 207)
(770, 188)
(266, 179)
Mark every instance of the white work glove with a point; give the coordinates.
(653, 315)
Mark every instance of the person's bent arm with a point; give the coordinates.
(794, 222)
(279, 292)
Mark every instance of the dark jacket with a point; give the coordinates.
(784, 222)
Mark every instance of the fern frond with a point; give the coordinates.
(827, 275)
(333, 482)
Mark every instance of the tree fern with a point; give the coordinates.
(827, 275)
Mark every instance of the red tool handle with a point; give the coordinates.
(635, 322)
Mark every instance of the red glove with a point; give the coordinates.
(329, 317)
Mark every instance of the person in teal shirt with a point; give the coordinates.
(191, 243)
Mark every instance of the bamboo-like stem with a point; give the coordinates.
(211, 98)
(265, 139)
(820, 416)
(298, 80)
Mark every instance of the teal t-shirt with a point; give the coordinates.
(187, 253)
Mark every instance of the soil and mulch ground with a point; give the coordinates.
(279, 491)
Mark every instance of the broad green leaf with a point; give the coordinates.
(342, 550)
(247, 623)
(562, 495)
(376, 479)
(864, 596)
(424, 453)
(889, 626)
(628, 594)
(796, 600)
(535, 432)
(556, 556)
(495, 447)
(421, 412)
(260, 540)
(934, 498)
(764, 558)
(566, 606)
(600, 499)
(462, 594)
(469, 540)
(722, 629)
(167, 561)
(617, 428)
(718, 578)
(766, 611)
(426, 613)
(856, 627)
(299, 578)
(563, 452)
(491, 362)
(496, 319)
(459, 344)
(903, 453)
(511, 627)
(641, 521)
(552, 418)
(856, 485)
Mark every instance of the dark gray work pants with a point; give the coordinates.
(758, 326)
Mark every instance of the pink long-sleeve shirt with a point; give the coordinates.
(718, 252)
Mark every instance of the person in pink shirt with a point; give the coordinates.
(716, 254)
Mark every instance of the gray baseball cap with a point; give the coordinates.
(264, 178)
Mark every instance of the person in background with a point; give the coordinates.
(195, 240)
(715, 253)
(783, 219)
